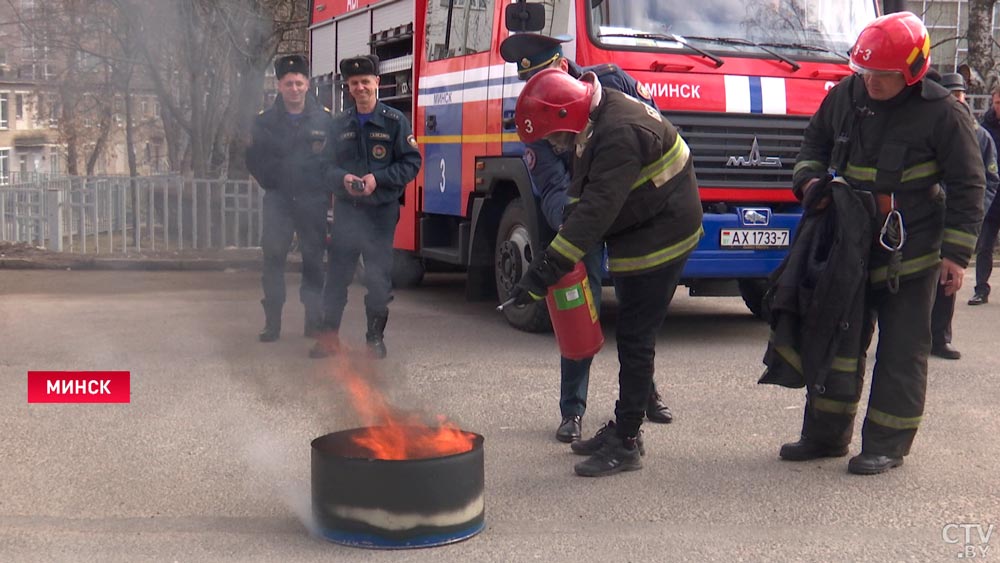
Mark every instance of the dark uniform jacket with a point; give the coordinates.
(633, 187)
(384, 147)
(286, 155)
(907, 145)
(817, 298)
(550, 171)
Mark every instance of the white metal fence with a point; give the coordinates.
(115, 214)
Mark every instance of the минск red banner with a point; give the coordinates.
(79, 387)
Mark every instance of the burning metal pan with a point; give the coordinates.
(395, 503)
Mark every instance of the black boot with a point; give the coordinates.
(657, 410)
(327, 344)
(272, 321)
(314, 324)
(805, 450)
(375, 337)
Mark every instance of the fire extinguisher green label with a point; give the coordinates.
(570, 297)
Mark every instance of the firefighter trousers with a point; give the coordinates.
(642, 305)
(899, 378)
(366, 231)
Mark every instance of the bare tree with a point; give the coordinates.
(983, 72)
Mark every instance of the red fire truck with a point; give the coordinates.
(739, 79)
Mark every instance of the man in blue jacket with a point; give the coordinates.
(373, 156)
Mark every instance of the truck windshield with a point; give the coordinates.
(797, 29)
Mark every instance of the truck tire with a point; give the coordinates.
(511, 257)
(752, 291)
(407, 269)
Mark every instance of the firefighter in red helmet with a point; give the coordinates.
(633, 187)
(888, 132)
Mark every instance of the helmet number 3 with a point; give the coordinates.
(865, 54)
(528, 127)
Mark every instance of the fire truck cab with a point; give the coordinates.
(739, 79)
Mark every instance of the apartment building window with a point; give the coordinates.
(4, 123)
(18, 106)
(54, 161)
(4, 167)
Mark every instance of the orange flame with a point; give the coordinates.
(389, 432)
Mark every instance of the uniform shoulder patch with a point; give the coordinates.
(529, 159)
(641, 89)
(412, 141)
(392, 114)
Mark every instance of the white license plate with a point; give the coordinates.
(754, 238)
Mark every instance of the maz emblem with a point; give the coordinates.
(754, 160)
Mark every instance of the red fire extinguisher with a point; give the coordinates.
(575, 320)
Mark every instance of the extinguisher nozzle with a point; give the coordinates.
(506, 303)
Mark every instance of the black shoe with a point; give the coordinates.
(327, 344)
(569, 429)
(375, 337)
(869, 464)
(269, 334)
(804, 450)
(593, 445)
(979, 299)
(616, 455)
(657, 411)
(946, 351)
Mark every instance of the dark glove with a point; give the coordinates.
(817, 197)
(534, 284)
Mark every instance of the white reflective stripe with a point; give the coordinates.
(737, 94)
(773, 95)
(461, 76)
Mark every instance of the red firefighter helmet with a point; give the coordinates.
(896, 42)
(552, 101)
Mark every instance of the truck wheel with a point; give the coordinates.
(512, 255)
(407, 269)
(753, 291)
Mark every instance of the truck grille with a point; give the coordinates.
(722, 148)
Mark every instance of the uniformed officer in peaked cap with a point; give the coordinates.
(532, 52)
(550, 172)
(286, 158)
(373, 156)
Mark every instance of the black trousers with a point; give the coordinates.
(941, 314)
(283, 218)
(984, 253)
(366, 231)
(899, 379)
(642, 305)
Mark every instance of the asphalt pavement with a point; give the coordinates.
(209, 461)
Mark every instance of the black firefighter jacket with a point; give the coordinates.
(287, 155)
(908, 145)
(384, 147)
(817, 297)
(633, 187)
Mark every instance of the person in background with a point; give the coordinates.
(550, 177)
(944, 305)
(373, 155)
(991, 221)
(286, 158)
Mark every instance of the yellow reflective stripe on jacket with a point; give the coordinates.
(922, 170)
(809, 165)
(790, 356)
(567, 249)
(836, 407)
(841, 363)
(915, 172)
(960, 238)
(892, 421)
(572, 200)
(666, 167)
(658, 258)
(907, 267)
